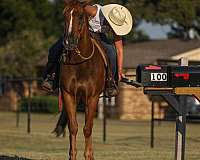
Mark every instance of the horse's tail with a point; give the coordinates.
(61, 125)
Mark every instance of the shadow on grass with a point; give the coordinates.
(12, 158)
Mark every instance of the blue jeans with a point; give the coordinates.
(110, 50)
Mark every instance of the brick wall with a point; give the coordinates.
(133, 104)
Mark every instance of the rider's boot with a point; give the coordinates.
(111, 89)
(48, 83)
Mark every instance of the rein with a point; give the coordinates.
(83, 57)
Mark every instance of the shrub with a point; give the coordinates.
(40, 104)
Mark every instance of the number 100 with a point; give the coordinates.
(158, 77)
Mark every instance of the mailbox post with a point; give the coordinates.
(174, 83)
(181, 122)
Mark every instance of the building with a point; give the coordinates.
(132, 103)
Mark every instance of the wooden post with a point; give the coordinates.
(100, 109)
(104, 119)
(152, 124)
(29, 109)
(197, 96)
(181, 130)
(183, 62)
(17, 117)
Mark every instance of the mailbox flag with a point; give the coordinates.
(185, 76)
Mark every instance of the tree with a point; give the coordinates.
(17, 16)
(28, 28)
(181, 15)
(44, 12)
(58, 19)
(20, 56)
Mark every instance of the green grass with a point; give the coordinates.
(125, 140)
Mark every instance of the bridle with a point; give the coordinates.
(66, 42)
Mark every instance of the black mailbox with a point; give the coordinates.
(152, 75)
(168, 76)
(183, 76)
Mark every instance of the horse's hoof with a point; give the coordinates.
(89, 157)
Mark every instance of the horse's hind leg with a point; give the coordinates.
(89, 115)
(70, 108)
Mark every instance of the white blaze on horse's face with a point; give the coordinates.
(71, 21)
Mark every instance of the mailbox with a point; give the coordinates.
(152, 75)
(183, 76)
(168, 76)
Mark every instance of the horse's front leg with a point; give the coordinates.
(70, 108)
(89, 115)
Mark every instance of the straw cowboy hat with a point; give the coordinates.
(119, 18)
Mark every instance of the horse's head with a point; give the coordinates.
(75, 22)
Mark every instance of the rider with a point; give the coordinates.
(112, 18)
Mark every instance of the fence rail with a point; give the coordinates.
(30, 80)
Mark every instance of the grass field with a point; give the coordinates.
(125, 140)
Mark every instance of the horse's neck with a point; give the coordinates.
(85, 42)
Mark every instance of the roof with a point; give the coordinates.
(149, 52)
(192, 55)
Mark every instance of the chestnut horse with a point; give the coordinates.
(83, 76)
